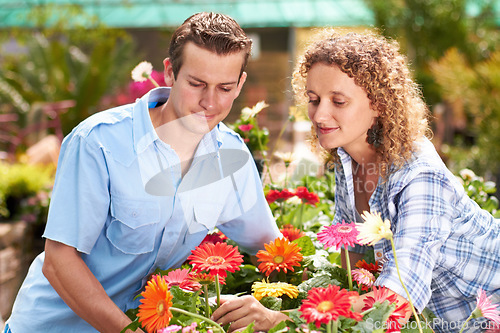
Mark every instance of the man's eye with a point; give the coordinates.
(339, 103)
(193, 84)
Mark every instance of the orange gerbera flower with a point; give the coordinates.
(217, 258)
(279, 255)
(291, 233)
(154, 312)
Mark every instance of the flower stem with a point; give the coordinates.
(348, 264)
(335, 326)
(264, 155)
(402, 283)
(285, 125)
(466, 321)
(217, 289)
(207, 305)
(194, 315)
(329, 327)
(153, 81)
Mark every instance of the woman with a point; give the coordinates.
(368, 113)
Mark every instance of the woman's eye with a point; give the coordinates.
(314, 101)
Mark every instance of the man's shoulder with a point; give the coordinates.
(117, 117)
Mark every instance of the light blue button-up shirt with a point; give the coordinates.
(447, 246)
(120, 200)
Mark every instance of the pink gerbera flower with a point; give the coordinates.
(397, 316)
(485, 308)
(363, 277)
(245, 127)
(339, 234)
(183, 278)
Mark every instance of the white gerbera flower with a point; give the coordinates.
(373, 229)
(248, 113)
(142, 71)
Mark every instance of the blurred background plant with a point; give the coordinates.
(63, 60)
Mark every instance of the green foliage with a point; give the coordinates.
(427, 29)
(24, 186)
(475, 90)
(64, 62)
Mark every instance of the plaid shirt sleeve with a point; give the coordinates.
(422, 214)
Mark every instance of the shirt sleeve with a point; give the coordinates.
(80, 198)
(424, 211)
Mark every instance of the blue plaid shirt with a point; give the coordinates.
(447, 246)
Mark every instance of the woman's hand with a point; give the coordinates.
(242, 311)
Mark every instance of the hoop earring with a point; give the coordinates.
(374, 135)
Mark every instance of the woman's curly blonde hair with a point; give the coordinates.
(376, 65)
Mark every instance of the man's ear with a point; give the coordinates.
(168, 72)
(243, 78)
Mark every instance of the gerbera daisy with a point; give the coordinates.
(207, 278)
(154, 312)
(373, 229)
(216, 237)
(218, 258)
(485, 308)
(274, 289)
(280, 255)
(373, 268)
(142, 71)
(272, 196)
(245, 127)
(291, 233)
(183, 278)
(382, 294)
(307, 197)
(328, 304)
(363, 277)
(339, 234)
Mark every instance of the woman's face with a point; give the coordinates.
(338, 108)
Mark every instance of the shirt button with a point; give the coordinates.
(134, 214)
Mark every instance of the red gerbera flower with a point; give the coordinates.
(382, 294)
(216, 237)
(279, 255)
(307, 197)
(183, 278)
(216, 258)
(327, 304)
(373, 268)
(272, 196)
(291, 233)
(339, 234)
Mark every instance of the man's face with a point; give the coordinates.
(205, 88)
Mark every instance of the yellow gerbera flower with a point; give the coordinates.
(275, 289)
(374, 229)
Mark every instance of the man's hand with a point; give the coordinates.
(242, 311)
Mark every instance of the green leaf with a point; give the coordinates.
(132, 326)
(375, 320)
(280, 328)
(273, 303)
(306, 245)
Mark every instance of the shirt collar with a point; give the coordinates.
(145, 134)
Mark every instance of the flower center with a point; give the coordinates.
(278, 259)
(215, 260)
(324, 306)
(161, 307)
(345, 229)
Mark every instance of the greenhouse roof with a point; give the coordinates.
(171, 13)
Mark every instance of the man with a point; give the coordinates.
(139, 186)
